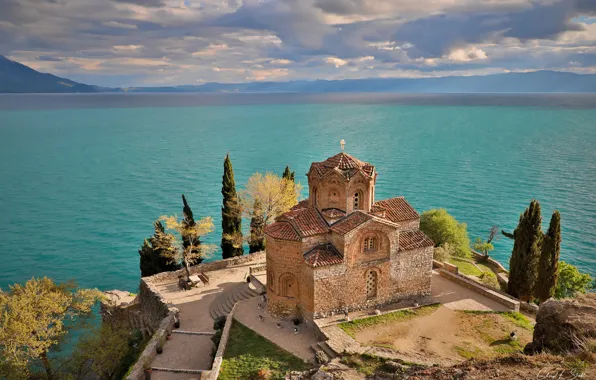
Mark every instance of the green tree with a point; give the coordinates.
(443, 228)
(287, 174)
(523, 265)
(35, 319)
(256, 242)
(151, 259)
(486, 246)
(442, 252)
(101, 352)
(231, 217)
(570, 281)
(548, 265)
(187, 240)
(187, 250)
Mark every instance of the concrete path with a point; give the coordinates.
(457, 297)
(247, 313)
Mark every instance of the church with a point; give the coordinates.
(342, 250)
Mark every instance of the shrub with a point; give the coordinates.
(442, 252)
(490, 279)
(442, 228)
(219, 323)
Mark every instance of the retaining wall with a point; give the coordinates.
(490, 260)
(508, 301)
(208, 267)
(158, 339)
(221, 349)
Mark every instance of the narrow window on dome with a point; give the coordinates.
(357, 200)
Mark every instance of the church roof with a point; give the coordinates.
(413, 239)
(283, 231)
(307, 221)
(395, 209)
(350, 222)
(333, 213)
(347, 165)
(322, 255)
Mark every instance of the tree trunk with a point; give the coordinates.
(47, 366)
(187, 269)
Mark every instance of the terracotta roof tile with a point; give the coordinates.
(350, 222)
(300, 205)
(396, 209)
(322, 255)
(348, 166)
(283, 231)
(307, 221)
(412, 239)
(333, 213)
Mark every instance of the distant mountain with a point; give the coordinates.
(15, 77)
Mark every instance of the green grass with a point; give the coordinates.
(485, 268)
(248, 352)
(465, 267)
(365, 364)
(403, 315)
(517, 318)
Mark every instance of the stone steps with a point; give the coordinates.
(327, 350)
(223, 304)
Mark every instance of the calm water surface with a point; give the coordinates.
(82, 177)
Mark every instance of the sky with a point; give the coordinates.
(173, 42)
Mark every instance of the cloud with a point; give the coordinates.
(185, 41)
(337, 62)
(121, 25)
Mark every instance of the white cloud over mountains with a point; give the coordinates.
(145, 42)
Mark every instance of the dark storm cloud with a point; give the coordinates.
(145, 3)
(49, 58)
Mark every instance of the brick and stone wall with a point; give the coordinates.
(208, 267)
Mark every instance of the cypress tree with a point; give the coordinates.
(523, 265)
(256, 241)
(151, 261)
(189, 221)
(287, 174)
(549, 260)
(231, 220)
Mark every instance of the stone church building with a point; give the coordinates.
(341, 249)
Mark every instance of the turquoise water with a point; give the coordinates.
(80, 184)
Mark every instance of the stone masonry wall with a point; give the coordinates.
(208, 267)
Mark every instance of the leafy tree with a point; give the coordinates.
(443, 252)
(256, 242)
(276, 195)
(527, 247)
(188, 250)
(548, 265)
(152, 261)
(287, 174)
(34, 319)
(570, 281)
(101, 352)
(188, 240)
(486, 246)
(443, 228)
(231, 218)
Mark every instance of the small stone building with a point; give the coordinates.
(341, 249)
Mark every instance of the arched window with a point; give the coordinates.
(314, 196)
(371, 284)
(357, 200)
(370, 244)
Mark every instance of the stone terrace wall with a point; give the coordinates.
(508, 301)
(492, 261)
(146, 358)
(153, 306)
(213, 374)
(207, 267)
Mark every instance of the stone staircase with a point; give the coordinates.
(222, 305)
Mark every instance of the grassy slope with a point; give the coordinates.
(248, 352)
